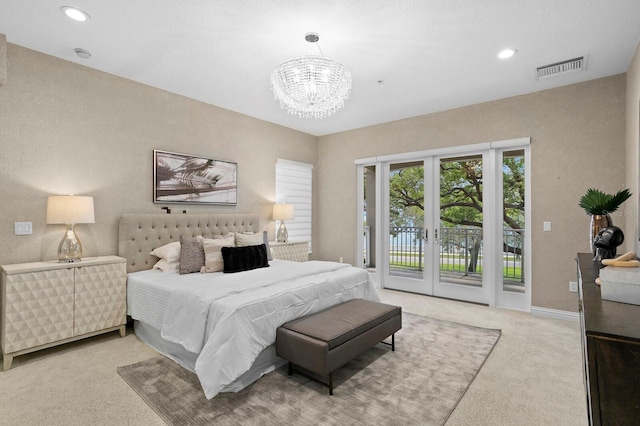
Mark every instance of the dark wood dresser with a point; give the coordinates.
(611, 351)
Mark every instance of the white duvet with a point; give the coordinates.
(228, 319)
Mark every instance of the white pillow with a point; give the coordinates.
(220, 236)
(165, 266)
(169, 252)
(248, 239)
(213, 261)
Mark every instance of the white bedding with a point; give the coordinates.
(228, 319)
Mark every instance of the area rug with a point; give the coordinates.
(420, 383)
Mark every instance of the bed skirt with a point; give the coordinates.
(266, 361)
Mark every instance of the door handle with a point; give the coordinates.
(426, 235)
(436, 236)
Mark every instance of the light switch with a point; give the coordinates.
(23, 228)
(547, 226)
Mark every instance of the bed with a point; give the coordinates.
(222, 326)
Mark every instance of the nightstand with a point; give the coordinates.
(44, 304)
(297, 251)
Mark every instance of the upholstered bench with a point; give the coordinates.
(322, 342)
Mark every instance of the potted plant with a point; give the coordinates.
(599, 205)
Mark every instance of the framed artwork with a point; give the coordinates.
(181, 178)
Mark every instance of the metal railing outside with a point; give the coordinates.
(460, 251)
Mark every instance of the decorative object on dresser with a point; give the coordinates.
(181, 178)
(282, 212)
(48, 303)
(607, 242)
(620, 279)
(69, 210)
(296, 251)
(599, 205)
(610, 351)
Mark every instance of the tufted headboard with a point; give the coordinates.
(139, 234)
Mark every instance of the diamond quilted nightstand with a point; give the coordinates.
(297, 251)
(43, 304)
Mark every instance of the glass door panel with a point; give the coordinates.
(406, 220)
(406, 246)
(513, 229)
(369, 217)
(461, 226)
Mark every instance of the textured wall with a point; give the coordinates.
(577, 141)
(66, 128)
(633, 153)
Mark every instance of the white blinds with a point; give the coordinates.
(293, 186)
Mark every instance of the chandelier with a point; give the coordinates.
(311, 86)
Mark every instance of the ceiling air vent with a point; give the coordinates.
(564, 67)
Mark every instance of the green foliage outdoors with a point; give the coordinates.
(461, 194)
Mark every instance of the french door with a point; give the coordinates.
(453, 223)
(424, 254)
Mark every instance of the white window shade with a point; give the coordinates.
(294, 186)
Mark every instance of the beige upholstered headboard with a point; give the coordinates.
(139, 234)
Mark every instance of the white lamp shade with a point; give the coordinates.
(282, 212)
(69, 209)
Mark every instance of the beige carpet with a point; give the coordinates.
(420, 383)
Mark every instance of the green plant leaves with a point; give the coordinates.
(597, 202)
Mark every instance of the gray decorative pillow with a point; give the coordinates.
(191, 254)
(265, 241)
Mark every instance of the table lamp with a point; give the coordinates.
(282, 212)
(69, 210)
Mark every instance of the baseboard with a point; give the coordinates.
(555, 314)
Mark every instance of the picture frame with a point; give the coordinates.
(183, 178)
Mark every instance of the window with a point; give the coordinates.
(293, 186)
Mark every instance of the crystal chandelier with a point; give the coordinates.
(311, 86)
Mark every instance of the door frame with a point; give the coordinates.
(497, 296)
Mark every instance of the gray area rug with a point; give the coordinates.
(420, 383)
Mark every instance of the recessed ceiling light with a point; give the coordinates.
(507, 53)
(82, 53)
(75, 14)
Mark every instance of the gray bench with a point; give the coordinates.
(322, 342)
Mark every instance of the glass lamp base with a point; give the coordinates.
(69, 249)
(282, 236)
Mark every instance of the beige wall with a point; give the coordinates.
(633, 152)
(577, 141)
(66, 128)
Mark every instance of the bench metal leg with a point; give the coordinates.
(393, 342)
(308, 376)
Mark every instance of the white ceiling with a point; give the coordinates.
(431, 55)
